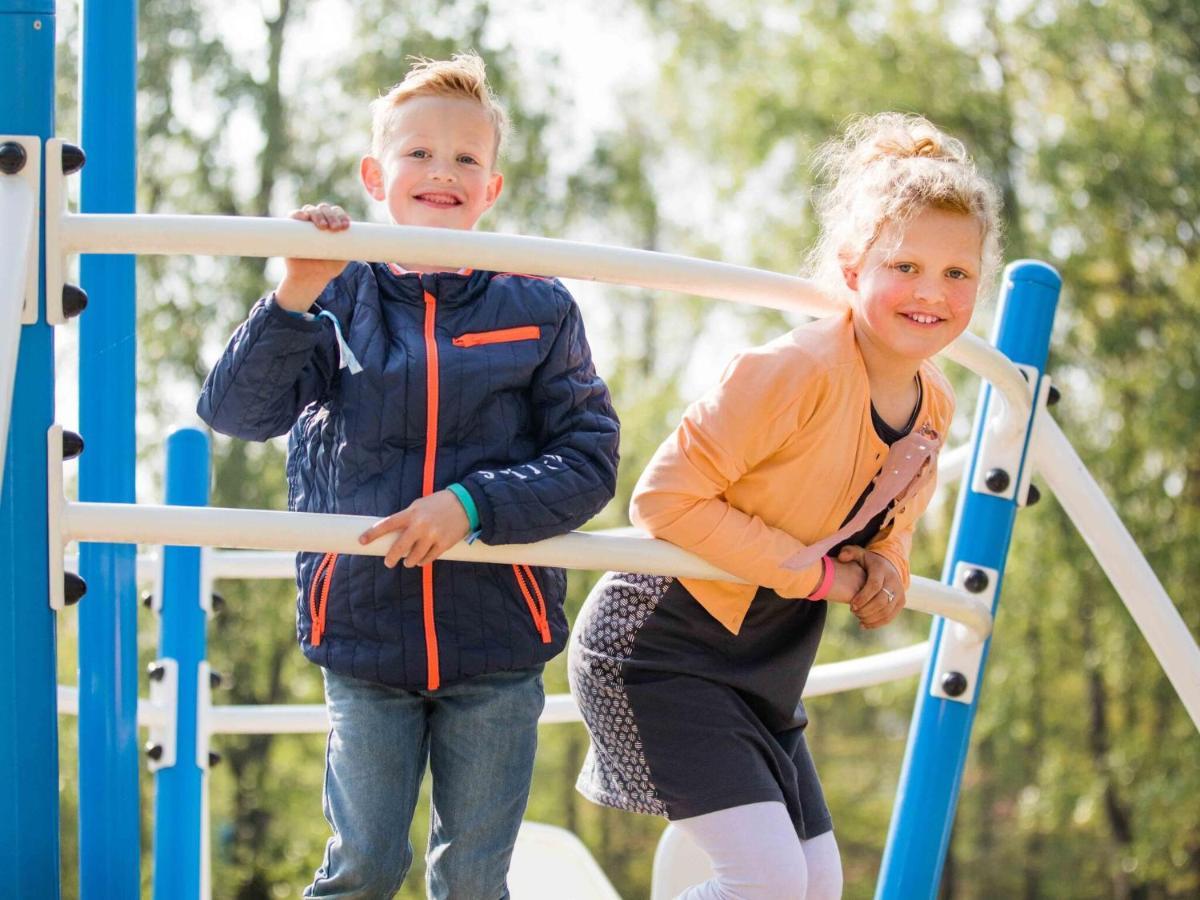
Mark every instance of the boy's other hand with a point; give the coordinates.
(881, 596)
(304, 279)
(427, 528)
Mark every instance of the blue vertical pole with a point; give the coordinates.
(109, 849)
(28, 717)
(177, 800)
(941, 728)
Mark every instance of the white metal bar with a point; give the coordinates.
(867, 671)
(251, 236)
(273, 530)
(1122, 561)
(830, 678)
(148, 715)
(18, 225)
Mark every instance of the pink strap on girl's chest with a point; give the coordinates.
(908, 462)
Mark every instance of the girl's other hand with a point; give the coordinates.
(848, 579)
(881, 596)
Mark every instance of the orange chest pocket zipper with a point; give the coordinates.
(500, 336)
(537, 608)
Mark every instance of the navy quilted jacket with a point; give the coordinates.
(479, 378)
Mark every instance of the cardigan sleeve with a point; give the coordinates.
(761, 402)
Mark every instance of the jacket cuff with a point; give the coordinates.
(304, 321)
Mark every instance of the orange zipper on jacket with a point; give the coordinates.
(541, 620)
(318, 604)
(431, 425)
(500, 336)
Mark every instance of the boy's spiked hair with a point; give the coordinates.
(463, 75)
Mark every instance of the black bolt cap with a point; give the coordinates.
(976, 581)
(1033, 496)
(217, 603)
(147, 599)
(1053, 396)
(74, 300)
(74, 588)
(72, 444)
(154, 751)
(73, 158)
(997, 481)
(214, 758)
(215, 680)
(157, 671)
(954, 683)
(12, 158)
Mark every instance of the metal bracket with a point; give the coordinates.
(999, 452)
(56, 208)
(31, 174)
(164, 696)
(55, 501)
(959, 652)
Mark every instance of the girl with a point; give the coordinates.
(803, 472)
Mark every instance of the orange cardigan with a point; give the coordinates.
(772, 459)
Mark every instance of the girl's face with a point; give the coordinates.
(914, 289)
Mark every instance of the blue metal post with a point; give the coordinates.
(28, 710)
(29, 793)
(177, 800)
(941, 729)
(109, 845)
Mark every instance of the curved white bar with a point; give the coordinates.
(1122, 561)
(255, 529)
(17, 224)
(831, 678)
(250, 236)
(852, 674)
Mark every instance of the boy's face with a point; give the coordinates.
(436, 168)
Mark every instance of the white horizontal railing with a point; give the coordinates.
(270, 530)
(250, 236)
(1122, 561)
(313, 718)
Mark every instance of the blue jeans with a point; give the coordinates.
(479, 737)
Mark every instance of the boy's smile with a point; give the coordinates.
(436, 169)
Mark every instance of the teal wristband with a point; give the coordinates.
(468, 504)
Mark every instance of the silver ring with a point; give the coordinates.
(891, 595)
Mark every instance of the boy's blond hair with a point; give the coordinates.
(463, 75)
(888, 168)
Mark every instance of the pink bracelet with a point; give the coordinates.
(826, 580)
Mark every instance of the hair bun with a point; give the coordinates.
(899, 136)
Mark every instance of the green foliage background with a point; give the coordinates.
(1084, 777)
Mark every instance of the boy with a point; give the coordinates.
(467, 401)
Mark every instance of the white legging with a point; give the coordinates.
(757, 855)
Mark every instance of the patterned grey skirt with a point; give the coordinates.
(686, 718)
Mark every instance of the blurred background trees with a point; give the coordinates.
(1084, 778)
